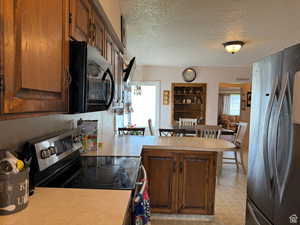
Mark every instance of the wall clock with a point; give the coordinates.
(189, 75)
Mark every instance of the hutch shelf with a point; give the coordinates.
(188, 101)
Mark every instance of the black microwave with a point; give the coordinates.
(92, 85)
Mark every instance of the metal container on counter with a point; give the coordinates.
(14, 192)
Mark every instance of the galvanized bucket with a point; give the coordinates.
(14, 192)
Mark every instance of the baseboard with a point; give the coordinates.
(187, 217)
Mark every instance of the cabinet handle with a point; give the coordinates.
(68, 78)
(181, 167)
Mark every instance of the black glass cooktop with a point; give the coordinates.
(100, 173)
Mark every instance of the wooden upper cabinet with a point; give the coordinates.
(36, 56)
(80, 19)
(196, 188)
(99, 32)
(161, 170)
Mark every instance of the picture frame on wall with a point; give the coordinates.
(249, 99)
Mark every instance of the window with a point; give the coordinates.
(235, 102)
(231, 104)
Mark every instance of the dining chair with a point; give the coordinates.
(170, 132)
(188, 122)
(212, 132)
(238, 150)
(131, 131)
(150, 127)
(209, 131)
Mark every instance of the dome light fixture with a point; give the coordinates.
(233, 46)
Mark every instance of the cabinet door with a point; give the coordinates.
(36, 56)
(161, 170)
(99, 34)
(197, 175)
(80, 20)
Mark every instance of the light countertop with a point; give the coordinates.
(133, 145)
(58, 206)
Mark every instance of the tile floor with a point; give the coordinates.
(230, 200)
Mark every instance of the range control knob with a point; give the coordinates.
(44, 154)
(52, 150)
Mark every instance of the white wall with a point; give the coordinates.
(112, 9)
(210, 75)
(14, 133)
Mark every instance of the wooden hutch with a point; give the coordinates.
(188, 101)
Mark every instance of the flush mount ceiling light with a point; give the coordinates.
(233, 46)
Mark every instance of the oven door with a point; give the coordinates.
(100, 89)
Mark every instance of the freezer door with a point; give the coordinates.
(254, 216)
(287, 158)
(265, 94)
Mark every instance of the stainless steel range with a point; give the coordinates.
(56, 162)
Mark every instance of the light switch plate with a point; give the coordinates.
(296, 99)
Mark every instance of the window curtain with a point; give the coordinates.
(226, 104)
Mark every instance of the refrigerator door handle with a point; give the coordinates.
(251, 210)
(282, 185)
(267, 161)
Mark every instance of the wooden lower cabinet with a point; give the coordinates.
(162, 177)
(197, 183)
(181, 182)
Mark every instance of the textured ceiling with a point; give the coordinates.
(191, 32)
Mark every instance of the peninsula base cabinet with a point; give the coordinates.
(181, 182)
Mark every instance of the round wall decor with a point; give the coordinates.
(189, 75)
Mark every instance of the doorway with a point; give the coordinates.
(229, 108)
(145, 104)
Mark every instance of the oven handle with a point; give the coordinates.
(112, 86)
(137, 198)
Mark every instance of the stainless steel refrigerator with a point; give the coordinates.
(273, 196)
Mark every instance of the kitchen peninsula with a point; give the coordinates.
(181, 170)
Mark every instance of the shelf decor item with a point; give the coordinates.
(166, 97)
(189, 75)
